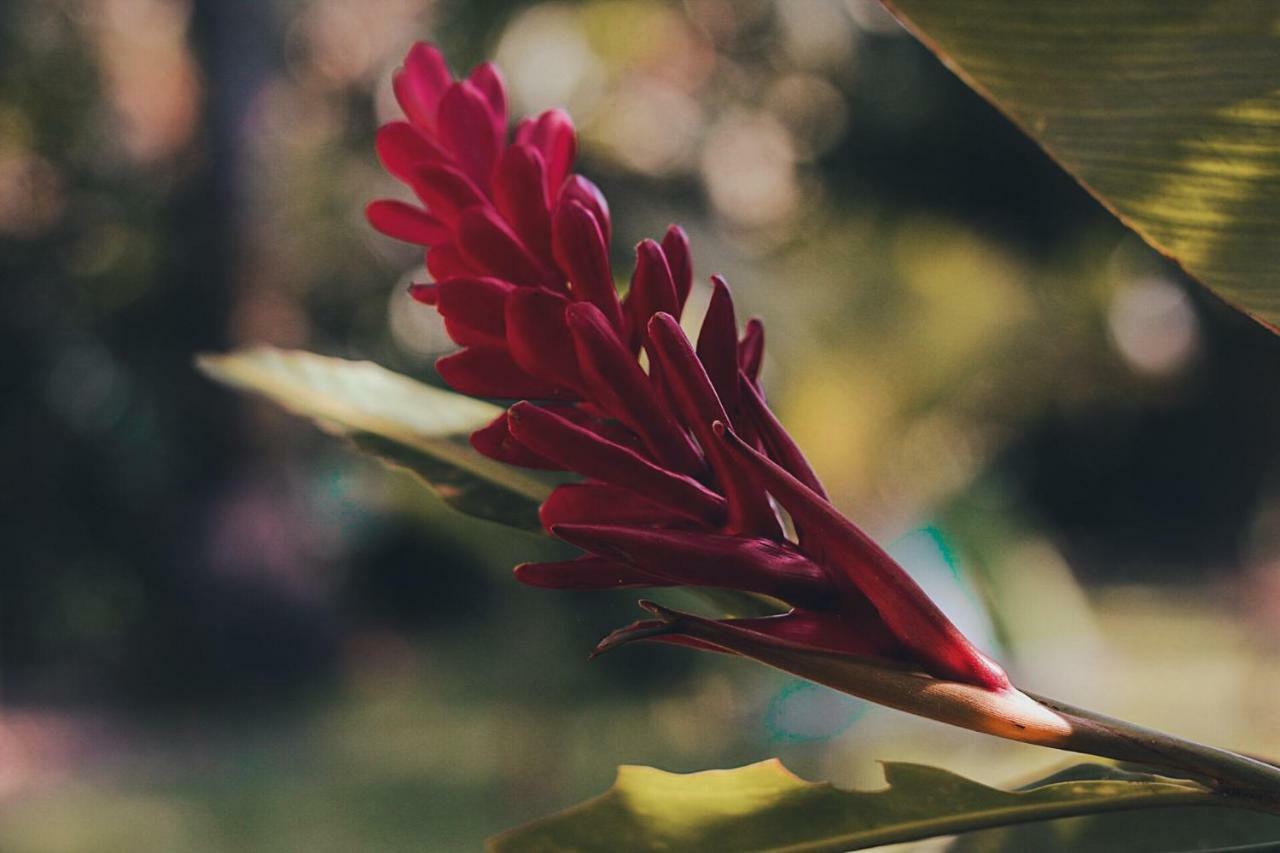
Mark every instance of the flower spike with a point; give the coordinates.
(681, 462)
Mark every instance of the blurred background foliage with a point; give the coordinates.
(223, 631)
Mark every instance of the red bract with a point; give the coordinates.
(682, 463)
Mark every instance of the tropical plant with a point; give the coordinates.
(658, 456)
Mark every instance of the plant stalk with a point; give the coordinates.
(1251, 782)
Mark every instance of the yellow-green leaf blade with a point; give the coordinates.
(402, 421)
(1168, 111)
(763, 807)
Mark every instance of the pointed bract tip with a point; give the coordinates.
(666, 614)
(427, 294)
(643, 630)
(662, 321)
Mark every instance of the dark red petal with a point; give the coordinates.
(446, 192)
(614, 381)
(488, 80)
(445, 261)
(778, 444)
(585, 573)
(710, 559)
(581, 253)
(420, 84)
(467, 130)
(578, 449)
(675, 245)
(497, 442)
(474, 305)
(587, 194)
(519, 191)
(487, 242)
(838, 542)
(718, 344)
(539, 336)
(652, 290)
(403, 149)
(695, 398)
(601, 423)
(552, 134)
(751, 349)
(491, 372)
(406, 222)
(600, 503)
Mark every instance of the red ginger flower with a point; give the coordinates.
(679, 463)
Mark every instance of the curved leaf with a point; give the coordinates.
(1168, 111)
(764, 807)
(1157, 830)
(398, 419)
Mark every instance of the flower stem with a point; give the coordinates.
(1249, 781)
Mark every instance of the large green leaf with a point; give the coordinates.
(1157, 830)
(1168, 111)
(763, 807)
(402, 421)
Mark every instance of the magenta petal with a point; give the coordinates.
(580, 251)
(446, 192)
(718, 344)
(406, 222)
(403, 149)
(420, 84)
(696, 558)
(576, 448)
(490, 372)
(686, 381)
(601, 503)
(586, 573)
(474, 308)
(838, 542)
(497, 442)
(602, 424)
(579, 189)
(675, 245)
(553, 135)
(777, 441)
(520, 194)
(751, 349)
(488, 80)
(538, 336)
(466, 127)
(652, 290)
(427, 294)
(614, 381)
(444, 261)
(487, 241)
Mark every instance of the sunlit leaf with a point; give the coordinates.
(398, 419)
(763, 807)
(1168, 111)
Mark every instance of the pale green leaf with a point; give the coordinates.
(402, 421)
(763, 807)
(1168, 111)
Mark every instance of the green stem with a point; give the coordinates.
(1253, 783)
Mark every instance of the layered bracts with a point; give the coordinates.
(687, 478)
